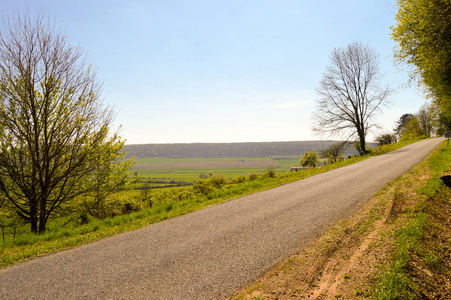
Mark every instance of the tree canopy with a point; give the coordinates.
(53, 124)
(423, 36)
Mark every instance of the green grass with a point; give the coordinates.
(193, 174)
(175, 160)
(395, 281)
(27, 246)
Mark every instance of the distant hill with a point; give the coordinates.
(223, 150)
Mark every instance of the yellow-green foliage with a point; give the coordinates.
(423, 36)
(412, 130)
(310, 159)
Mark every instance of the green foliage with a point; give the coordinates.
(412, 130)
(253, 176)
(203, 187)
(111, 173)
(423, 37)
(310, 159)
(53, 126)
(270, 173)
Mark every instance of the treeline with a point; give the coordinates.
(227, 150)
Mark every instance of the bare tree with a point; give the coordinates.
(424, 117)
(52, 120)
(334, 151)
(349, 94)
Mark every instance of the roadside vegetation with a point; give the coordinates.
(131, 209)
(397, 246)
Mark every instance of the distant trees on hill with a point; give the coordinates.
(223, 150)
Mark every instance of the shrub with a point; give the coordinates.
(270, 173)
(239, 179)
(218, 181)
(203, 187)
(386, 139)
(310, 159)
(253, 176)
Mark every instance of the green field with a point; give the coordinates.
(194, 174)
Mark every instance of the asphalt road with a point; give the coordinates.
(211, 253)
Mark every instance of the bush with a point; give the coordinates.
(218, 181)
(203, 187)
(310, 159)
(239, 179)
(253, 176)
(270, 173)
(386, 139)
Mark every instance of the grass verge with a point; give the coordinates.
(397, 246)
(29, 246)
(421, 259)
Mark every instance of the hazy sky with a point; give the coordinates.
(222, 71)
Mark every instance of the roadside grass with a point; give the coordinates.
(27, 246)
(397, 246)
(421, 259)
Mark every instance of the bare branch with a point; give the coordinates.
(349, 93)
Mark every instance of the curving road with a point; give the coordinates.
(211, 253)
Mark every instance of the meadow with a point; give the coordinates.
(190, 170)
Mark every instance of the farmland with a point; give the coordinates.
(164, 165)
(173, 170)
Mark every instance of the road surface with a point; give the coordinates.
(209, 254)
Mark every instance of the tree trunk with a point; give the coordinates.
(42, 219)
(34, 218)
(34, 225)
(361, 134)
(362, 145)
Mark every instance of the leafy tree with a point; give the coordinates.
(110, 174)
(413, 130)
(441, 120)
(423, 36)
(350, 93)
(333, 152)
(310, 159)
(402, 123)
(53, 125)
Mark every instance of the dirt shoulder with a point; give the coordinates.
(346, 262)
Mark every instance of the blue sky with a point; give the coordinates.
(222, 71)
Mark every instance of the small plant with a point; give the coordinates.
(270, 173)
